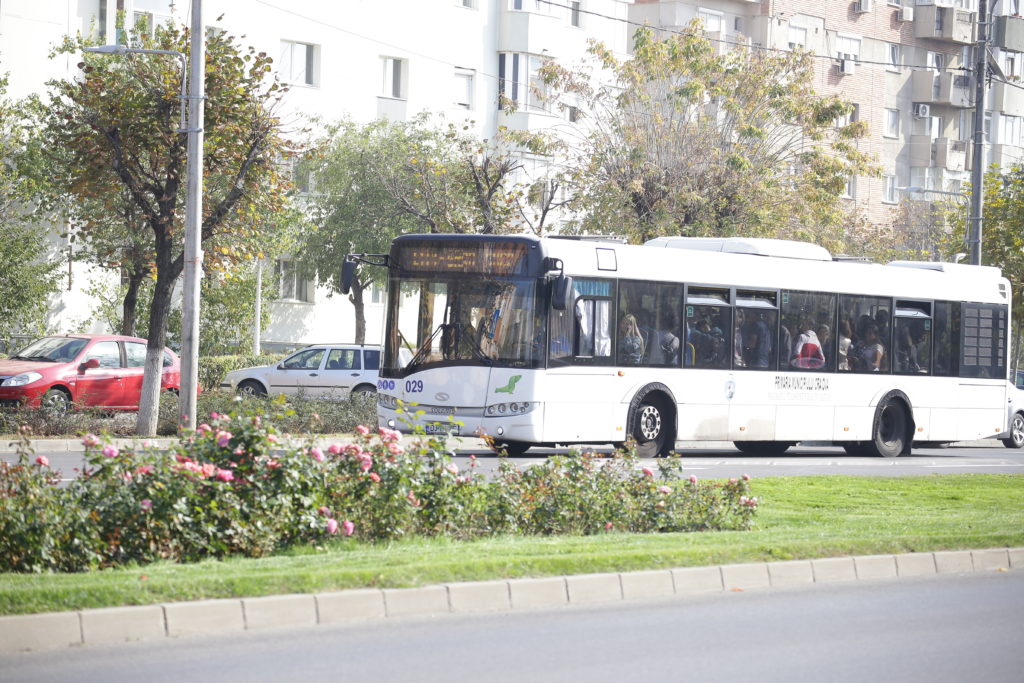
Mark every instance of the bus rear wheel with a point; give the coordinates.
(891, 431)
(762, 447)
(650, 429)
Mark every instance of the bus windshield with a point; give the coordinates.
(462, 319)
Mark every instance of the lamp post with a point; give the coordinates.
(192, 255)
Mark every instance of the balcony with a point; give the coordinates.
(944, 23)
(1007, 98)
(920, 150)
(952, 90)
(950, 154)
(1008, 33)
(1006, 156)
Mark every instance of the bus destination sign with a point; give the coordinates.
(483, 257)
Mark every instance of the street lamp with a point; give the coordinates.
(192, 255)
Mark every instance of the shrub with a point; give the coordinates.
(213, 368)
(233, 488)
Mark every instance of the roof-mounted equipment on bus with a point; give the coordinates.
(351, 264)
(758, 246)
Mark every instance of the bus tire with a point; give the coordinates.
(651, 425)
(762, 447)
(854, 448)
(512, 449)
(1016, 437)
(891, 431)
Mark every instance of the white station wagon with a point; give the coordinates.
(320, 370)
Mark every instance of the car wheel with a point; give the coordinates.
(364, 390)
(891, 431)
(251, 388)
(56, 402)
(1016, 438)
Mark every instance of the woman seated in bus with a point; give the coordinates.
(870, 351)
(664, 344)
(807, 353)
(631, 342)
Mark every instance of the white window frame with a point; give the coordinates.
(850, 190)
(894, 57)
(575, 13)
(392, 67)
(797, 35)
(717, 18)
(518, 79)
(464, 88)
(466, 4)
(936, 61)
(848, 44)
(293, 73)
(291, 286)
(891, 125)
(889, 188)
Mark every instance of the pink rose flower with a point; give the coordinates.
(335, 448)
(348, 527)
(361, 430)
(146, 504)
(144, 469)
(223, 439)
(396, 449)
(43, 461)
(365, 462)
(204, 428)
(353, 449)
(225, 475)
(110, 451)
(375, 477)
(693, 478)
(664, 490)
(317, 454)
(648, 472)
(271, 438)
(324, 512)
(209, 469)
(332, 526)
(452, 468)
(746, 477)
(90, 440)
(608, 526)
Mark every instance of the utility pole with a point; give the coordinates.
(978, 153)
(193, 254)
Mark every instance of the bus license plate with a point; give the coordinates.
(441, 428)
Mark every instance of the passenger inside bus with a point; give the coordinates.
(631, 342)
(663, 348)
(869, 351)
(807, 353)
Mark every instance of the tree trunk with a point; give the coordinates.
(130, 304)
(356, 297)
(149, 401)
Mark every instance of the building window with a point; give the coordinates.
(468, 4)
(293, 286)
(892, 123)
(711, 19)
(298, 63)
(988, 126)
(575, 16)
(895, 56)
(849, 192)
(519, 82)
(1011, 130)
(148, 15)
(464, 88)
(936, 61)
(922, 176)
(849, 117)
(889, 189)
(573, 114)
(395, 76)
(847, 47)
(797, 36)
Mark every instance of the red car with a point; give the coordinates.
(94, 370)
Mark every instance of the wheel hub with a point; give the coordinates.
(650, 423)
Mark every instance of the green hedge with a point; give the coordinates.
(213, 368)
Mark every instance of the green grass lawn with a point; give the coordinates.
(800, 517)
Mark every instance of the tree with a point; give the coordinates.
(26, 279)
(117, 131)
(1002, 242)
(679, 139)
(376, 181)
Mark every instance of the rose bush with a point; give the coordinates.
(233, 487)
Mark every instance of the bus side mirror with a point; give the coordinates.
(348, 274)
(561, 293)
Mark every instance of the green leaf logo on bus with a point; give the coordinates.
(510, 387)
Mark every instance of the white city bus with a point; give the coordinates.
(764, 343)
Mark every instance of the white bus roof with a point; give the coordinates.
(760, 246)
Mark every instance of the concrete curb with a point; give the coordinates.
(171, 620)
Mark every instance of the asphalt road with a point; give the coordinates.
(935, 629)
(727, 462)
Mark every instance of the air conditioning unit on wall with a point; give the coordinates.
(921, 110)
(846, 66)
(906, 14)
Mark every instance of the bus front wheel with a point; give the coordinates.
(650, 429)
(890, 435)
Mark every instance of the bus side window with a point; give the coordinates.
(708, 326)
(865, 322)
(946, 339)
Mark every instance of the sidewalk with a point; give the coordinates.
(208, 617)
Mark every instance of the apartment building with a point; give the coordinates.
(358, 58)
(907, 65)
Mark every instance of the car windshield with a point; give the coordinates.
(466, 320)
(52, 349)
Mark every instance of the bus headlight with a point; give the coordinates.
(387, 401)
(513, 408)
